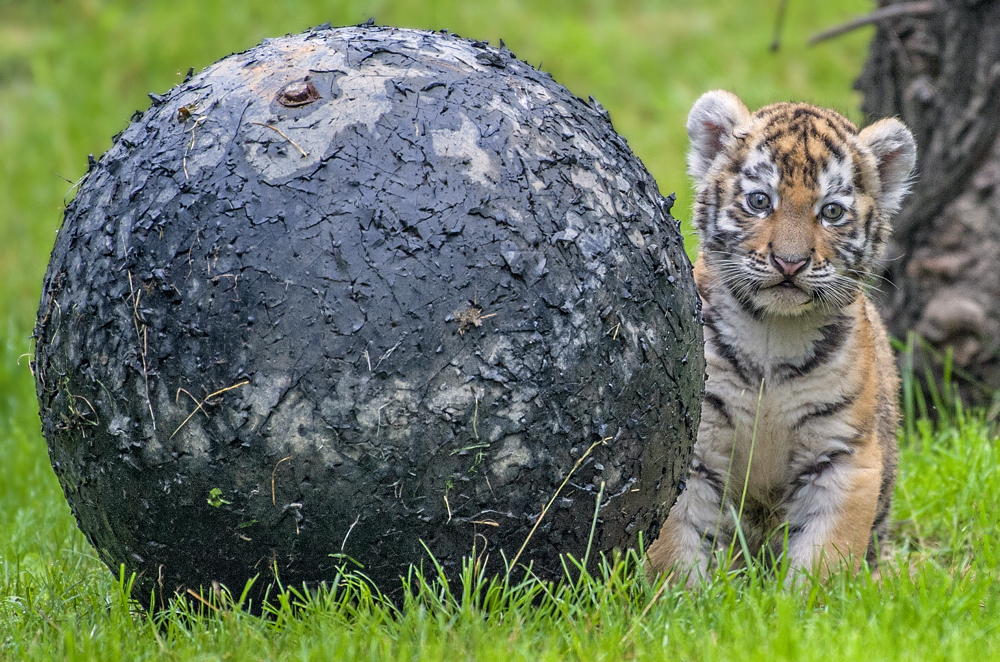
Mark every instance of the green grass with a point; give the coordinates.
(71, 72)
(937, 599)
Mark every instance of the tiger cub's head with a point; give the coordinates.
(793, 203)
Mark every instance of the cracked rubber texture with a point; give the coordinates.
(397, 315)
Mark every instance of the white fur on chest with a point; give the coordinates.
(771, 422)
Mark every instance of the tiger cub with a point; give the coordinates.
(797, 442)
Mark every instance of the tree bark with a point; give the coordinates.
(940, 73)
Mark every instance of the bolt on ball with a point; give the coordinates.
(298, 93)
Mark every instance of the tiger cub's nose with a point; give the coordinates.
(790, 266)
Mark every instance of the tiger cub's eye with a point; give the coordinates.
(832, 213)
(759, 201)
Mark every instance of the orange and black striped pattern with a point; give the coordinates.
(796, 449)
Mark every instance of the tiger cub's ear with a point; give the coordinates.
(712, 120)
(895, 152)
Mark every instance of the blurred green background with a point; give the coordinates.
(72, 72)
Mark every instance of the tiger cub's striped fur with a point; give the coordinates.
(797, 441)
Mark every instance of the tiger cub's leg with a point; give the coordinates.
(696, 526)
(831, 508)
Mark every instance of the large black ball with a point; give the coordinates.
(357, 291)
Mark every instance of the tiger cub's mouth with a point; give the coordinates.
(788, 296)
(788, 283)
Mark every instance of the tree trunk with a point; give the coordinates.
(940, 73)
